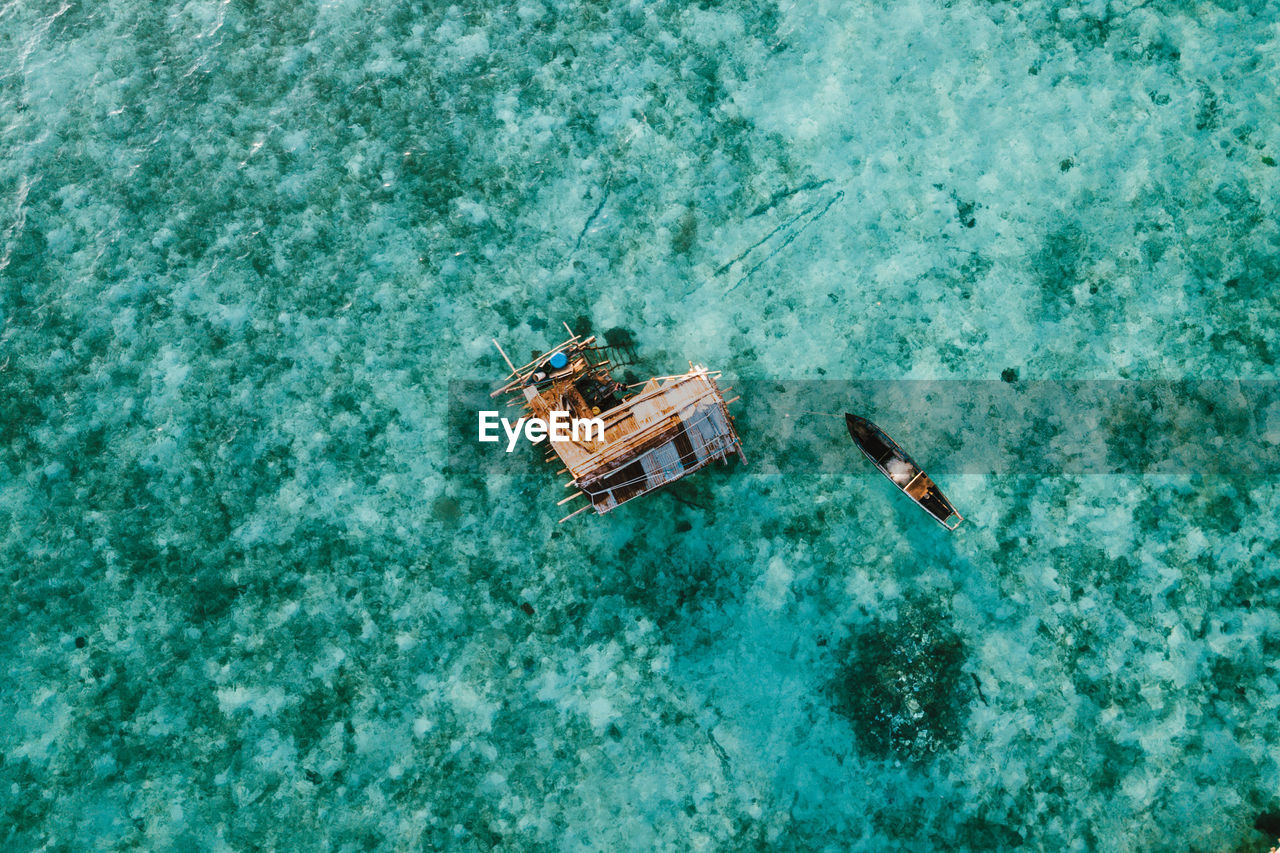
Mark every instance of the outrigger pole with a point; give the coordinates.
(504, 355)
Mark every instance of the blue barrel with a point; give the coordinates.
(558, 360)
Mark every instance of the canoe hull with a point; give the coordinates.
(901, 470)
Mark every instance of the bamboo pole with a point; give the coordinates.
(504, 355)
(575, 512)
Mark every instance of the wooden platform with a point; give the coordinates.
(668, 429)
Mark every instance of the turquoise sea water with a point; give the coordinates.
(246, 246)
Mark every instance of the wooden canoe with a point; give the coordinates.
(902, 470)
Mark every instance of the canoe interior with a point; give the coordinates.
(902, 470)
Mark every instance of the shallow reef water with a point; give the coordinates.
(246, 248)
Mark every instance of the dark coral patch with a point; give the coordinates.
(902, 685)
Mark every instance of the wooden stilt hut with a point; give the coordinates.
(654, 433)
